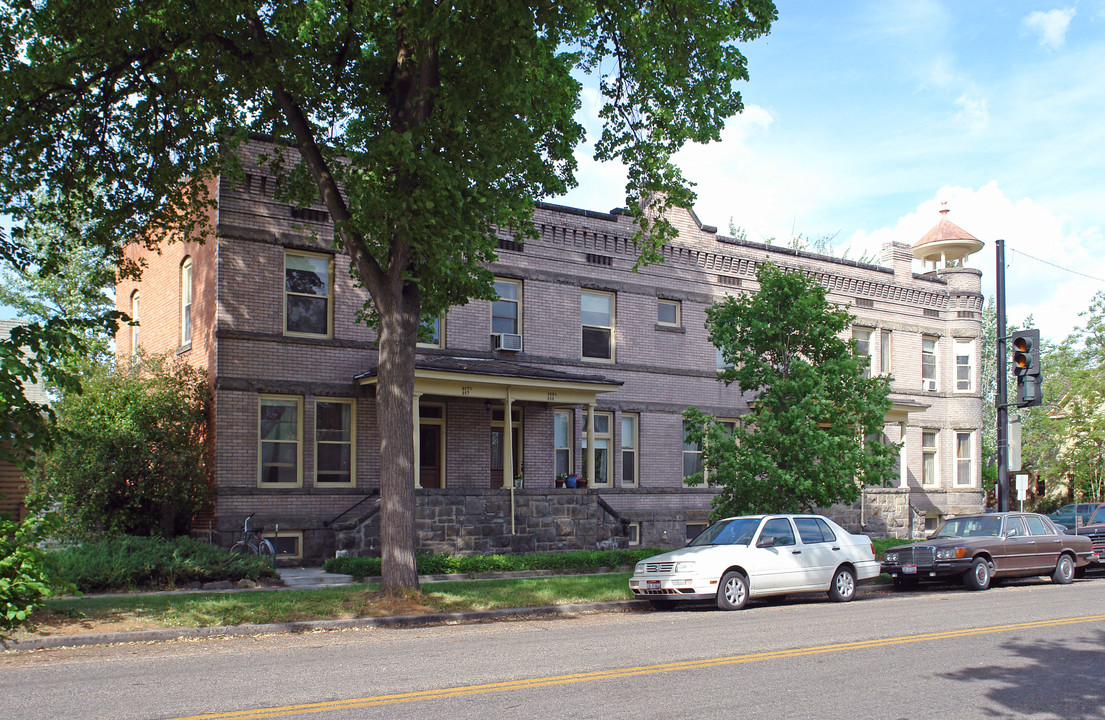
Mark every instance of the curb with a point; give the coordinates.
(162, 635)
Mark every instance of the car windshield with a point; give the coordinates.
(969, 527)
(737, 531)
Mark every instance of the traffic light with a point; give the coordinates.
(1026, 368)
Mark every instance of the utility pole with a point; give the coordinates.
(1001, 488)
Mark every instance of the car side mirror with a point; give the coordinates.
(1012, 532)
(768, 541)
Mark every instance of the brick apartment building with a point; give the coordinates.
(593, 365)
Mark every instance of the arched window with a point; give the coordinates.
(186, 302)
(134, 323)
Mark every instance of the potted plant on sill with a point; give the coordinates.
(571, 481)
(560, 479)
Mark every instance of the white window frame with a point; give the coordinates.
(886, 352)
(935, 359)
(965, 461)
(568, 418)
(633, 533)
(329, 296)
(298, 441)
(606, 436)
(862, 336)
(438, 324)
(611, 328)
(296, 535)
(186, 301)
(632, 448)
(677, 305)
(351, 442)
(930, 452)
(964, 348)
(135, 307)
(515, 301)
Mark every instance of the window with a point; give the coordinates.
(432, 333)
(928, 363)
(307, 292)
(964, 365)
(814, 530)
(288, 544)
(633, 531)
(692, 454)
(931, 522)
(562, 441)
(963, 469)
(279, 437)
(885, 354)
(720, 362)
(1036, 526)
(928, 457)
(668, 312)
(629, 449)
(597, 318)
(134, 345)
(506, 316)
(693, 530)
(777, 529)
(862, 336)
(603, 436)
(334, 442)
(186, 302)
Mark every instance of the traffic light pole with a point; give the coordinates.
(1001, 488)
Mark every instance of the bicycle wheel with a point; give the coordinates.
(241, 548)
(266, 550)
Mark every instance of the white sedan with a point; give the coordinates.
(758, 556)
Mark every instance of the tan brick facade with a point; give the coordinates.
(239, 335)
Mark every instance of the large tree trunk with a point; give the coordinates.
(395, 418)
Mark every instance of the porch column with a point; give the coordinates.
(903, 473)
(590, 468)
(417, 440)
(508, 442)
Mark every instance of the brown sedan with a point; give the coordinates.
(980, 548)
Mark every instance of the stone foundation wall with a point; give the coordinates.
(478, 522)
(901, 512)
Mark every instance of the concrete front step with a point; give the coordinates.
(312, 576)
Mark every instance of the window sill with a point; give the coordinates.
(183, 349)
(671, 328)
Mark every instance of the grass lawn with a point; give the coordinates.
(142, 612)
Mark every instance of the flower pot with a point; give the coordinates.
(571, 481)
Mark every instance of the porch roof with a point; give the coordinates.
(903, 406)
(500, 379)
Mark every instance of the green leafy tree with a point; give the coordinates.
(129, 456)
(422, 127)
(814, 431)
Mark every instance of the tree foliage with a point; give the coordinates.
(1064, 439)
(802, 445)
(129, 456)
(25, 580)
(421, 126)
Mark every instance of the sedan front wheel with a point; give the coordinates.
(843, 587)
(978, 577)
(733, 591)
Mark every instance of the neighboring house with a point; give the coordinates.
(582, 366)
(12, 484)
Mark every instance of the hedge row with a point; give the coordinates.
(151, 563)
(583, 560)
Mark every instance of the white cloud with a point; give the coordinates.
(973, 113)
(1053, 268)
(1050, 26)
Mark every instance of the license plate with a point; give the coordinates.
(652, 584)
(909, 569)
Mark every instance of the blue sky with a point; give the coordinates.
(861, 118)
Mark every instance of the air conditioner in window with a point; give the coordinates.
(507, 341)
(928, 385)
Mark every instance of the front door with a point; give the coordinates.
(429, 455)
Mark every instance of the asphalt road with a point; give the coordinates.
(1030, 649)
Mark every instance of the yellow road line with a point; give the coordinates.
(259, 713)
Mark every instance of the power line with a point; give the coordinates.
(1060, 267)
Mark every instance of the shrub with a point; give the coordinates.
(583, 560)
(24, 580)
(152, 563)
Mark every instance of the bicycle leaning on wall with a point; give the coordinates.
(254, 542)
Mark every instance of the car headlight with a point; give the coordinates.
(950, 553)
(684, 567)
(891, 557)
(640, 569)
